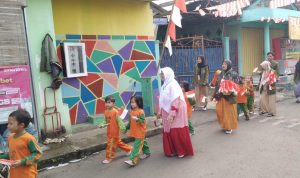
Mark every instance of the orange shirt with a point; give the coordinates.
(113, 129)
(26, 149)
(188, 106)
(250, 88)
(242, 94)
(215, 79)
(138, 127)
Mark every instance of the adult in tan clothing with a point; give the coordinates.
(226, 107)
(267, 91)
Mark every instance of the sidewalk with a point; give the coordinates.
(84, 143)
(88, 142)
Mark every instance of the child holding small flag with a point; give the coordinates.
(24, 151)
(137, 127)
(189, 102)
(242, 98)
(250, 97)
(114, 125)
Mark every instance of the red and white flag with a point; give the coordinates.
(6, 162)
(123, 113)
(179, 6)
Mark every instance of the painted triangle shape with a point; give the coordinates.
(117, 45)
(117, 62)
(127, 65)
(89, 79)
(86, 94)
(141, 65)
(133, 73)
(126, 96)
(125, 52)
(107, 89)
(89, 47)
(81, 114)
(151, 70)
(104, 46)
(97, 88)
(69, 91)
(124, 82)
(151, 46)
(112, 79)
(99, 56)
(90, 107)
(91, 66)
(137, 55)
(106, 66)
(141, 46)
(71, 101)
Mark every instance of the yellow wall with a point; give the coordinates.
(253, 48)
(103, 17)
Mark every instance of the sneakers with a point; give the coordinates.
(204, 108)
(298, 101)
(228, 131)
(106, 161)
(129, 162)
(144, 156)
(128, 153)
(180, 156)
(270, 115)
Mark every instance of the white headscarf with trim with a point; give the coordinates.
(266, 66)
(170, 90)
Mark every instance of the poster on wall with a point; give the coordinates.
(15, 90)
(75, 60)
(294, 28)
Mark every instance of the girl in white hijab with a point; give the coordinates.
(172, 106)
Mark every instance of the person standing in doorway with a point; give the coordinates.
(297, 81)
(201, 73)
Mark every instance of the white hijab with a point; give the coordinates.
(266, 65)
(170, 90)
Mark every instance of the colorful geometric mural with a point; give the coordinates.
(115, 67)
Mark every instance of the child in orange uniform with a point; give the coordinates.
(114, 125)
(137, 126)
(242, 98)
(23, 147)
(185, 88)
(250, 97)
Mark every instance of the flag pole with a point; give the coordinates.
(166, 36)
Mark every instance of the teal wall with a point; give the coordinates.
(39, 22)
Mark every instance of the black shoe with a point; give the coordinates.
(262, 113)
(298, 101)
(270, 115)
(247, 118)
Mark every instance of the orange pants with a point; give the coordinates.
(113, 144)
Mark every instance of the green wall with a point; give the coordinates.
(39, 22)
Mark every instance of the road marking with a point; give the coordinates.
(264, 120)
(253, 117)
(293, 125)
(294, 120)
(279, 122)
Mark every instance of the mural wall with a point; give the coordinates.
(121, 66)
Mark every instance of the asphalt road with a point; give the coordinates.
(260, 148)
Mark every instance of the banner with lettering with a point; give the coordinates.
(294, 28)
(15, 91)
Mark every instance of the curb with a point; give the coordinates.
(78, 153)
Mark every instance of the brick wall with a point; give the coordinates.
(13, 49)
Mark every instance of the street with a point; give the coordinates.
(259, 148)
